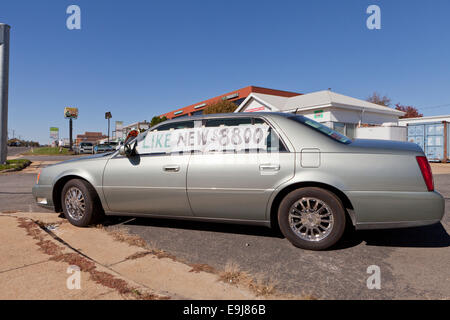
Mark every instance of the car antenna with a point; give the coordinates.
(295, 112)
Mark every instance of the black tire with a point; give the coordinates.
(93, 211)
(337, 211)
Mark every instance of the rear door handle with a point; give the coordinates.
(269, 167)
(171, 168)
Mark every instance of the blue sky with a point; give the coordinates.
(138, 59)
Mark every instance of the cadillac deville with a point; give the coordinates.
(272, 169)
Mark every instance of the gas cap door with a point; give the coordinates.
(310, 158)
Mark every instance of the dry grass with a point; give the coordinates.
(138, 255)
(202, 267)
(123, 236)
(134, 240)
(233, 275)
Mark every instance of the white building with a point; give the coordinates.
(430, 119)
(339, 112)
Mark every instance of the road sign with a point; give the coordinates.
(54, 133)
(70, 113)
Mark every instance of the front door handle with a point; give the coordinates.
(171, 168)
(269, 167)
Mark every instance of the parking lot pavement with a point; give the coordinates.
(16, 151)
(413, 262)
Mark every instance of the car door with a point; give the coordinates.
(237, 184)
(149, 182)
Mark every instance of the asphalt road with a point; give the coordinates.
(413, 262)
(14, 151)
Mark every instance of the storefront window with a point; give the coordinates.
(347, 129)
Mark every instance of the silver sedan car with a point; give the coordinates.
(271, 169)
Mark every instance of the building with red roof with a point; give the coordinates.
(236, 96)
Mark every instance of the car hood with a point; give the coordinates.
(384, 146)
(93, 157)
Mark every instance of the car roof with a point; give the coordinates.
(226, 115)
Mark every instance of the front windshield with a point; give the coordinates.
(322, 129)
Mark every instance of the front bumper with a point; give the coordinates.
(383, 210)
(43, 196)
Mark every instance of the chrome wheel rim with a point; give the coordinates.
(75, 203)
(311, 219)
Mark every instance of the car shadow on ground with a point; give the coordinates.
(434, 236)
(194, 225)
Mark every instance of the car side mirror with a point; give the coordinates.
(127, 150)
(123, 151)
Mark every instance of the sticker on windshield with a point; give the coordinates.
(205, 139)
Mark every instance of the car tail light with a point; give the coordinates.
(426, 172)
(38, 176)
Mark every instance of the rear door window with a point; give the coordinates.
(271, 142)
(274, 143)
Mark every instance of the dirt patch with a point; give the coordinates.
(440, 168)
(57, 254)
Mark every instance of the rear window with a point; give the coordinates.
(322, 129)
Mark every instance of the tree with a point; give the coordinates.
(221, 106)
(156, 120)
(378, 99)
(411, 112)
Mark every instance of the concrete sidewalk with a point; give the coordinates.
(27, 272)
(38, 248)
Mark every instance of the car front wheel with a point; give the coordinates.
(312, 218)
(80, 202)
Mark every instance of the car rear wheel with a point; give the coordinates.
(312, 218)
(80, 203)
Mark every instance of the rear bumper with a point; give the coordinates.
(43, 196)
(384, 210)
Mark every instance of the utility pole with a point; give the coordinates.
(70, 113)
(70, 135)
(108, 116)
(4, 77)
(108, 130)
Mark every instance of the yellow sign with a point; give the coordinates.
(70, 113)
